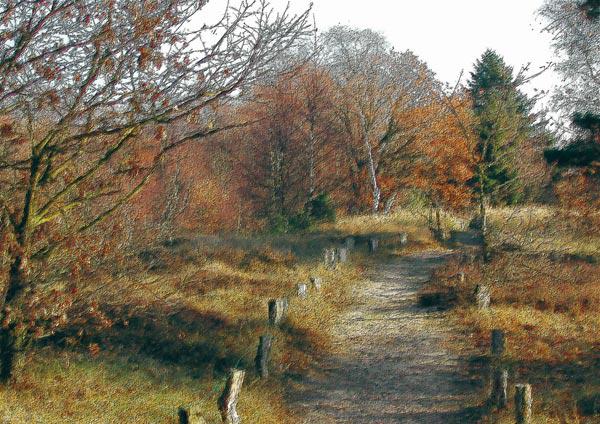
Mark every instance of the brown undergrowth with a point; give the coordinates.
(176, 317)
(548, 304)
(180, 316)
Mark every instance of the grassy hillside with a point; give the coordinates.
(545, 281)
(181, 315)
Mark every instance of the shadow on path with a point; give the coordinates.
(394, 362)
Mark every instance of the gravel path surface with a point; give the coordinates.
(394, 362)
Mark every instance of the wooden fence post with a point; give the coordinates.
(483, 296)
(350, 243)
(191, 415)
(497, 344)
(228, 401)
(277, 310)
(302, 290)
(262, 355)
(316, 283)
(403, 238)
(523, 403)
(330, 258)
(373, 244)
(498, 396)
(342, 255)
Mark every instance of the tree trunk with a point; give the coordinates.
(376, 191)
(483, 218)
(9, 342)
(389, 204)
(8, 354)
(312, 167)
(430, 216)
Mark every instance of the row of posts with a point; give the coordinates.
(499, 384)
(277, 312)
(498, 398)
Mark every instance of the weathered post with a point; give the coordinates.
(326, 257)
(373, 244)
(498, 396)
(191, 415)
(497, 344)
(302, 290)
(316, 283)
(228, 401)
(277, 310)
(330, 258)
(482, 296)
(342, 255)
(403, 238)
(350, 243)
(469, 258)
(523, 403)
(262, 355)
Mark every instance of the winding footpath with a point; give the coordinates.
(394, 362)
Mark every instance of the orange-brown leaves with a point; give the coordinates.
(446, 145)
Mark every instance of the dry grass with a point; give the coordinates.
(546, 298)
(545, 230)
(176, 331)
(388, 227)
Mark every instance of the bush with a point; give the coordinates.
(299, 222)
(279, 224)
(320, 209)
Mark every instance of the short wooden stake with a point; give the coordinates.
(228, 401)
(277, 310)
(330, 258)
(403, 238)
(192, 415)
(483, 296)
(350, 243)
(373, 245)
(497, 344)
(523, 404)
(342, 255)
(316, 283)
(302, 290)
(498, 396)
(262, 355)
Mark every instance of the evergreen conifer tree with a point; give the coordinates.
(503, 123)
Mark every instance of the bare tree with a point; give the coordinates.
(575, 29)
(375, 84)
(82, 84)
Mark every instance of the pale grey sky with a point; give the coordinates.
(448, 34)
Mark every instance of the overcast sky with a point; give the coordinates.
(448, 34)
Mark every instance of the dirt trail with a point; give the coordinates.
(393, 361)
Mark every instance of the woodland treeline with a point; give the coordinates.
(124, 123)
(353, 127)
